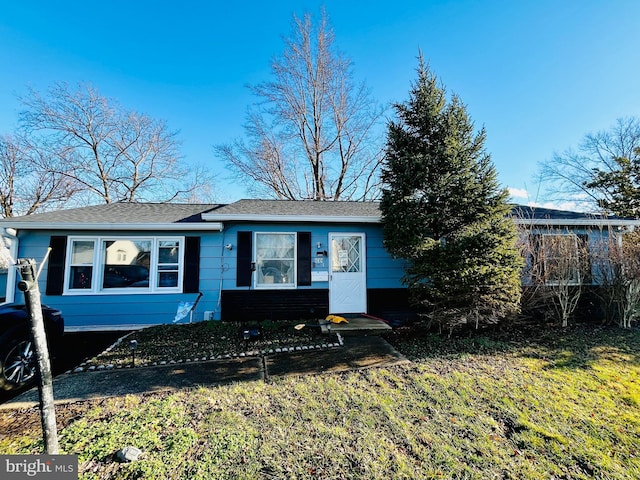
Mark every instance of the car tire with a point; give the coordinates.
(17, 363)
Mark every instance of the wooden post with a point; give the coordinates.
(29, 285)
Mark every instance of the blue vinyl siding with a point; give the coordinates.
(217, 265)
(382, 270)
(217, 272)
(106, 311)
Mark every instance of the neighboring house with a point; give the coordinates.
(126, 266)
(564, 245)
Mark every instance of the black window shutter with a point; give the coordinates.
(191, 273)
(304, 258)
(55, 271)
(243, 260)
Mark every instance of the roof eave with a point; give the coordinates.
(192, 227)
(291, 218)
(214, 222)
(576, 222)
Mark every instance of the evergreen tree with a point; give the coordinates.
(622, 182)
(444, 211)
(603, 172)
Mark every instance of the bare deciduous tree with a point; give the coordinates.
(24, 187)
(557, 266)
(617, 265)
(107, 153)
(310, 134)
(577, 175)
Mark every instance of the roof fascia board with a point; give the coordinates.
(291, 218)
(214, 222)
(582, 222)
(192, 227)
(376, 219)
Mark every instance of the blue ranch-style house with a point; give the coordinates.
(126, 266)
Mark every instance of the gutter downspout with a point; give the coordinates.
(10, 241)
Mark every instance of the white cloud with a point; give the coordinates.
(518, 192)
(577, 202)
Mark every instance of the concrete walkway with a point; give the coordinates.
(356, 353)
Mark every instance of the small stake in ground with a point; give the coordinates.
(133, 344)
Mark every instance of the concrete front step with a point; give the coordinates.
(356, 326)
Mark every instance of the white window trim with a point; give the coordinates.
(98, 266)
(276, 286)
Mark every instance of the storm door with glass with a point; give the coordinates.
(348, 278)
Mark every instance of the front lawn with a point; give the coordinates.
(560, 405)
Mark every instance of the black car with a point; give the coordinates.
(17, 352)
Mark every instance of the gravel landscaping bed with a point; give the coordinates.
(207, 340)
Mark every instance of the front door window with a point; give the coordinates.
(345, 254)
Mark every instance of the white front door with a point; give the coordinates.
(348, 277)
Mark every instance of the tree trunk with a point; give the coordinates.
(29, 285)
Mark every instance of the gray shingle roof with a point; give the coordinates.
(539, 213)
(119, 213)
(129, 215)
(299, 207)
(309, 208)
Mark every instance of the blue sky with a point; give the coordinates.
(538, 75)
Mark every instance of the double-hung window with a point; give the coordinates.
(124, 265)
(81, 264)
(275, 260)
